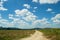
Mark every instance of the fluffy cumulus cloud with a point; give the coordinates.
(11, 16)
(27, 6)
(35, 1)
(5, 23)
(49, 9)
(25, 19)
(22, 19)
(23, 12)
(30, 18)
(56, 19)
(40, 23)
(3, 9)
(46, 1)
(1, 5)
(35, 7)
(26, 15)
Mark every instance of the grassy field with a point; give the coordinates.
(14, 34)
(53, 34)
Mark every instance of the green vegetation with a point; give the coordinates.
(53, 34)
(14, 34)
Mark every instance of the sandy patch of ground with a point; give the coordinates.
(36, 36)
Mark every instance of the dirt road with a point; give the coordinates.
(36, 36)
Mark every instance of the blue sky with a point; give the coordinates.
(30, 13)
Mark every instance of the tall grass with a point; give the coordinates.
(52, 33)
(14, 34)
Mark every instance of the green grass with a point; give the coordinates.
(14, 34)
(53, 34)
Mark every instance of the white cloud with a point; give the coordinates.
(27, 20)
(1, 5)
(35, 1)
(0, 16)
(27, 6)
(30, 18)
(17, 15)
(16, 19)
(35, 7)
(3, 9)
(22, 12)
(21, 24)
(5, 0)
(3, 22)
(11, 16)
(23, 19)
(26, 14)
(40, 23)
(49, 9)
(56, 19)
(46, 1)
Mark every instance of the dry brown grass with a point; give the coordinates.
(14, 34)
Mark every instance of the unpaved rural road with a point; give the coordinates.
(36, 36)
